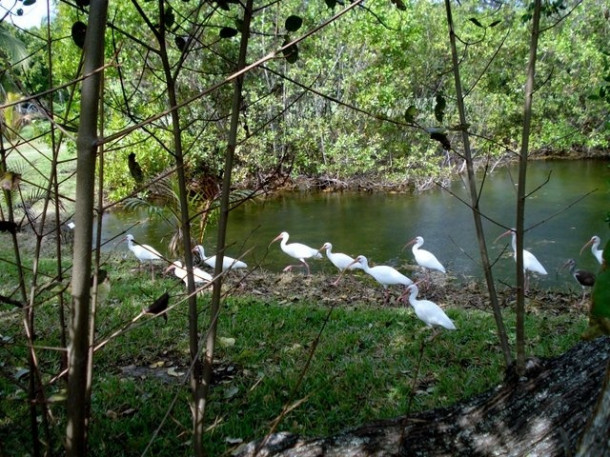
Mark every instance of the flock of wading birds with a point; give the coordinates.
(429, 312)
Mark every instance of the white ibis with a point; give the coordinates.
(594, 242)
(297, 250)
(583, 277)
(199, 275)
(143, 252)
(424, 259)
(228, 263)
(338, 259)
(530, 262)
(428, 311)
(383, 274)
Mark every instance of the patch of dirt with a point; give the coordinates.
(359, 289)
(171, 370)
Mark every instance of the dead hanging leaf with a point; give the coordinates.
(10, 180)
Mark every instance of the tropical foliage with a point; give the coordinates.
(382, 84)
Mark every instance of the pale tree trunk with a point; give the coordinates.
(224, 206)
(196, 384)
(79, 390)
(527, 120)
(474, 194)
(543, 413)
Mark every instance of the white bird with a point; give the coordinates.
(595, 242)
(143, 252)
(228, 263)
(199, 275)
(425, 259)
(530, 262)
(383, 274)
(297, 250)
(428, 311)
(339, 260)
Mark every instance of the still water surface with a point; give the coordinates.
(567, 205)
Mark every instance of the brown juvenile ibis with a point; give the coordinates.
(582, 277)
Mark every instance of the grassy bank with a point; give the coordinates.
(364, 358)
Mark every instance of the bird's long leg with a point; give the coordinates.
(290, 267)
(386, 294)
(306, 266)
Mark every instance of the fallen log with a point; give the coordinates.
(543, 413)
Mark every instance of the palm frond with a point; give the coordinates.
(13, 49)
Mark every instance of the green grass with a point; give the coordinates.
(364, 366)
(33, 162)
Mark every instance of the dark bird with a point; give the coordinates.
(159, 307)
(134, 168)
(8, 226)
(583, 277)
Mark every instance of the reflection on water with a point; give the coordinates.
(567, 204)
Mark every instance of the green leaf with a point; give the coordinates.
(19, 11)
(28, 2)
(293, 23)
(476, 22)
(599, 317)
(239, 25)
(331, 3)
(494, 23)
(411, 114)
(228, 32)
